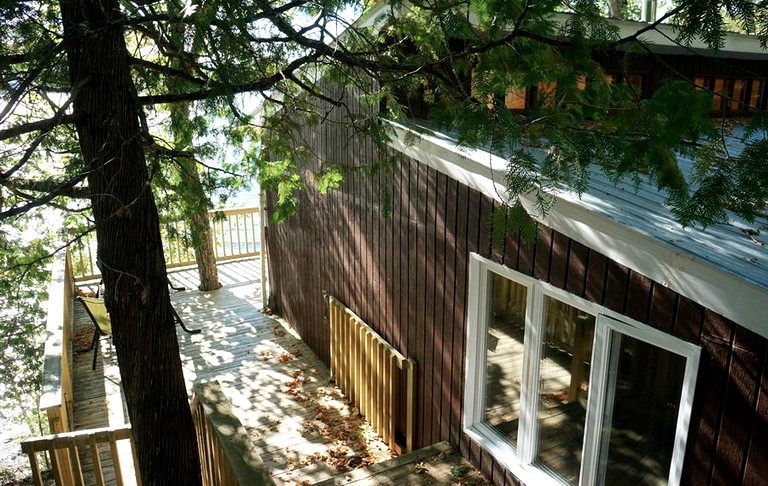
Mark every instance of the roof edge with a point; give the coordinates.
(714, 288)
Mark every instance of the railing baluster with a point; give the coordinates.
(410, 412)
(237, 225)
(179, 228)
(96, 460)
(358, 360)
(116, 460)
(253, 228)
(90, 258)
(55, 463)
(223, 239)
(37, 476)
(245, 231)
(231, 240)
(375, 390)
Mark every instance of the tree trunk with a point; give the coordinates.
(202, 236)
(616, 8)
(130, 253)
(205, 254)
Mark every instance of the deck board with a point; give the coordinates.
(257, 360)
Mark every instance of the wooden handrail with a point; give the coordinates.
(56, 397)
(237, 235)
(65, 449)
(227, 454)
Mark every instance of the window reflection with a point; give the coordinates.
(564, 387)
(641, 415)
(504, 355)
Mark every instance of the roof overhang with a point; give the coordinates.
(715, 288)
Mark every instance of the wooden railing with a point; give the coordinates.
(373, 374)
(56, 397)
(227, 455)
(65, 450)
(236, 234)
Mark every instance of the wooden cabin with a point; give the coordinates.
(619, 348)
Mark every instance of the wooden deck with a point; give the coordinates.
(281, 392)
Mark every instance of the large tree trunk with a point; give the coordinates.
(202, 236)
(205, 254)
(130, 253)
(616, 8)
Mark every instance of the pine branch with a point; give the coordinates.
(46, 124)
(256, 85)
(59, 190)
(168, 71)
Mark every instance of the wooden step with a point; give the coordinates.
(436, 464)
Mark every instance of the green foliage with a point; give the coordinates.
(511, 220)
(328, 178)
(280, 176)
(710, 19)
(23, 293)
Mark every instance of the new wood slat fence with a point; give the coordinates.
(236, 234)
(227, 455)
(374, 375)
(64, 451)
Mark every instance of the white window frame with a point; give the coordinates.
(519, 458)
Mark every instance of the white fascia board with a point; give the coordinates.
(664, 35)
(714, 288)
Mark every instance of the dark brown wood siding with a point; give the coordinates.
(394, 247)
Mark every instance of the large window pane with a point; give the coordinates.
(641, 412)
(504, 355)
(564, 386)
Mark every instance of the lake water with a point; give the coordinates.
(245, 199)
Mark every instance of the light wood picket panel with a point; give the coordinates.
(372, 374)
(64, 451)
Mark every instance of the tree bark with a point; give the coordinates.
(616, 8)
(205, 254)
(130, 253)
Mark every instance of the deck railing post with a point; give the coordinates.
(65, 448)
(227, 455)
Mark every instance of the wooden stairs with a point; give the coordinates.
(438, 464)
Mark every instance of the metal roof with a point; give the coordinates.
(736, 246)
(724, 266)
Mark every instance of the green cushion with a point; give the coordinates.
(98, 312)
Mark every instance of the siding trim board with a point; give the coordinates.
(703, 282)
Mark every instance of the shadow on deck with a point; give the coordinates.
(298, 420)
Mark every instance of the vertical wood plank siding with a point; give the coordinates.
(394, 247)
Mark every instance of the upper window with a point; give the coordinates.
(733, 95)
(563, 391)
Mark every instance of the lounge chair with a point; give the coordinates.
(97, 311)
